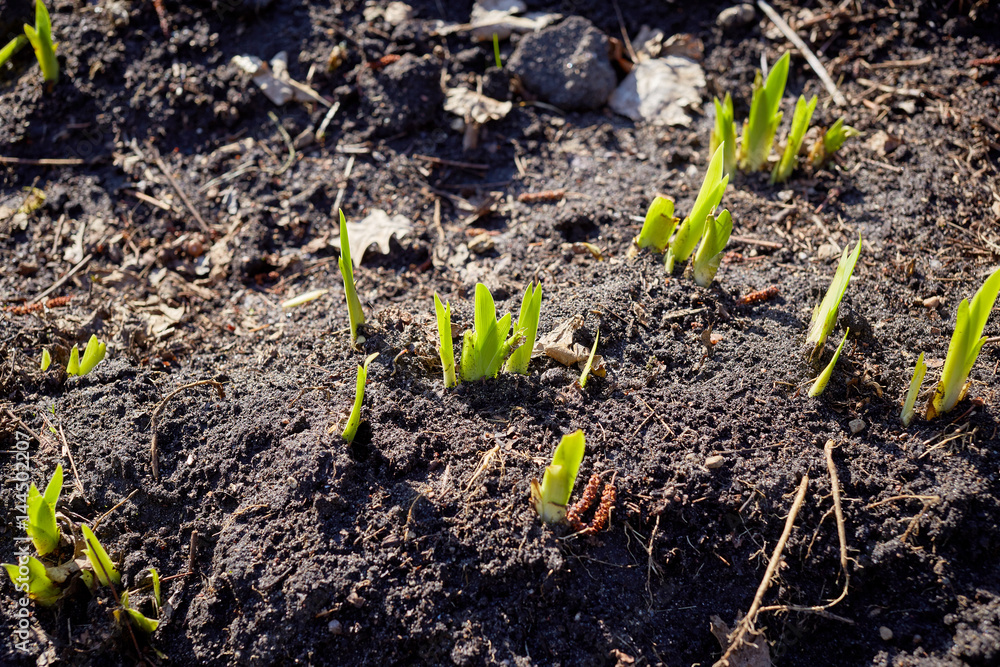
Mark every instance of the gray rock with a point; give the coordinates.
(566, 65)
(737, 16)
(403, 96)
(857, 425)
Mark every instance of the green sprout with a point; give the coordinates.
(354, 421)
(906, 416)
(724, 133)
(825, 315)
(551, 497)
(709, 255)
(765, 116)
(31, 576)
(527, 323)
(93, 354)
(590, 362)
(694, 225)
(42, 527)
(40, 37)
(966, 342)
(485, 347)
(496, 51)
(46, 359)
(447, 349)
(356, 315)
(147, 625)
(103, 568)
(819, 386)
(12, 47)
(658, 226)
(800, 123)
(830, 142)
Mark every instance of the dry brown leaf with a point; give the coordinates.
(468, 104)
(376, 229)
(558, 344)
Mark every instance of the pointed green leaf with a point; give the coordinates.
(825, 316)
(354, 311)
(658, 226)
(446, 349)
(590, 361)
(41, 588)
(709, 255)
(354, 421)
(12, 47)
(73, 367)
(527, 322)
(54, 487)
(104, 569)
(819, 386)
(911, 395)
(46, 359)
(800, 124)
(551, 498)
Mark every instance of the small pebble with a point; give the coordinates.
(932, 302)
(481, 244)
(886, 633)
(713, 462)
(856, 425)
(336, 627)
(736, 16)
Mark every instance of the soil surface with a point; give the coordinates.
(416, 544)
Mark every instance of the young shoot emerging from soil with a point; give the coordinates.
(354, 421)
(551, 497)
(486, 346)
(693, 226)
(709, 255)
(40, 38)
(92, 355)
(800, 123)
(911, 395)
(819, 386)
(765, 116)
(527, 323)
(354, 312)
(446, 349)
(830, 142)
(658, 226)
(966, 342)
(590, 362)
(825, 315)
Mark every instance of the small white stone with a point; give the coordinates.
(886, 633)
(713, 462)
(856, 425)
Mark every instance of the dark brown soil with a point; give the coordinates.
(393, 550)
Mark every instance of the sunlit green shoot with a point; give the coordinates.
(527, 323)
(31, 577)
(103, 568)
(147, 625)
(830, 142)
(73, 366)
(713, 243)
(765, 116)
(590, 362)
(966, 342)
(825, 315)
(42, 527)
(658, 226)
(12, 47)
(46, 359)
(92, 355)
(819, 386)
(354, 421)
(551, 497)
(40, 37)
(800, 123)
(354, 312)
(724, 133)
(486, 346)
(693, 226)
(911, 395)
(496, 51)
(446, 349)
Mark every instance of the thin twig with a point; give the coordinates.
(153, 451)
(108, 513)
(746, 623)
(43, 162)
(62, 281)
(10, 413)
(817, 66)
(288, 144)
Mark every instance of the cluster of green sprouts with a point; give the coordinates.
(45, 579)
(491, 344)
(701, 228)
(761, 126)
(40, 38)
